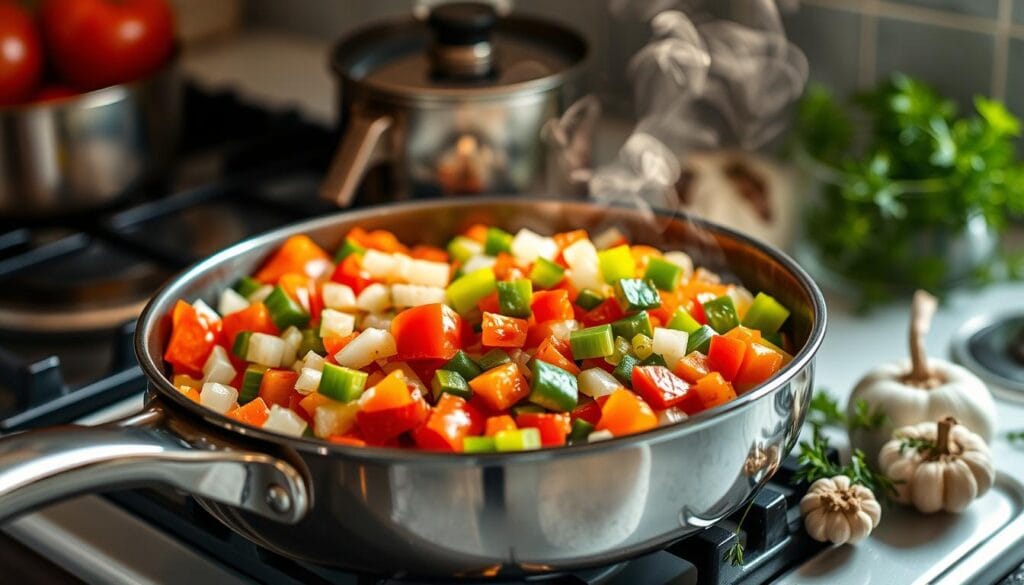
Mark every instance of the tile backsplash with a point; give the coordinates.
(964, 47)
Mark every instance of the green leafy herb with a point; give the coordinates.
(1015, 436)
(815, 465)
(865, 418)
(735, 552)
(918, 444)
(824, 411)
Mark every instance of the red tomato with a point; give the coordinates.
(96, 43)
(427, 332)
(662, 389)
(21, 53)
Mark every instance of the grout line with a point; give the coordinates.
(1001, 56)
(868, 46)
(918, 14)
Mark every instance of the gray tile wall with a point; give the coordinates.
(964, 47)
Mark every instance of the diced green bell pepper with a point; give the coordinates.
(721, 314)
(514, 298)
(285, 312)
(552, 387)
(655, 359)
(682, 320)
(526, 409)
(635, 294)
(247, 285)
(450, 382)
(700, 339)
(632, 325)
(518, 440)
(765, 314)
(588, 299)
(664, 274)
(311, 341)
(579, 431)
(461, 248)
(616, 263)
(466, 291)
(592, 342)
(463, 365)
(493, 359)
(341, 383)
(251, 380)
(347, 248)
(624, 371)
(545, 273)
(241, 346)
(497, 241)
(478, 445)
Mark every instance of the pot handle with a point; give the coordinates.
(42, 466)
(353, 157)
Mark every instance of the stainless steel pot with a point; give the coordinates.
(86, 150)
(392, 511)
(453, 106)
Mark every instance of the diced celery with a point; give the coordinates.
(721, 314)
(765, 314)
(624, 371)
(311, 341)
(497, 241)
(284, 311)
(643, 346)
(622, 347)
(467, 291)
(579, 431)
(545, 273)
(682, 320)
(592, 342)
(616, 263)
(632, 325)
(493, 359)
(463, 365)
(517, 440)
(450, 382)
(700, 339)
(247, 285)
(478, 445)
(347, 248)
(552, 387)
(655, 359)
(588, 299)
(664, 274)
(251, 380)
(514, 297)
(341, 383)
(461, 248)
(241, 346)
(635, 294)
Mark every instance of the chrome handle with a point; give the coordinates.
(43, 466)
(353, 157)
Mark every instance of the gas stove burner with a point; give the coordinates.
(992, 346)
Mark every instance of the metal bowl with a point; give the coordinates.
(85, 151)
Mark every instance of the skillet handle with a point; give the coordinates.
(353, 157)
(42, 466)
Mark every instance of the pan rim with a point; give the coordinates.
(159, 382)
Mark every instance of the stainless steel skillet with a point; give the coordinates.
(392, 511)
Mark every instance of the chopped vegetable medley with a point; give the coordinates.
(500, 342)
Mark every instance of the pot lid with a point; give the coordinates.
(463, 50)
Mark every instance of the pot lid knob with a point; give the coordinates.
(462, 46)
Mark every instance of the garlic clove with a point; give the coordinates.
(841, 482)
(837, 527)
(815, 523)
(860, 526)
(873, 509)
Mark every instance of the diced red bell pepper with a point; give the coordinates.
(608, 311)
(496, 424)
(304, 291)
(382, 240)
(662, 389)
(489, 304)
(298, 254)
(725, 355)
(500, 387)
(391, 392)
(713, 390)
(565, 239)
(642, 255)
(278, 387)
(333, 343)
(625, 413)
(347, 440)
(350, 272)
(502, 331)
(254, 413)
(597, 363)
(692, 367)
(310, 402)
(477, 232)
(548, 352)
(192, 339)
(427, 332)
(553, 427)
(551, 305)
(589, 411)
(449, 422)
(541, 330)
(255, 318)
(505, 267)
(378, 426)
(422, 252)
(760, 362)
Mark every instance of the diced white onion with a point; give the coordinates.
(218, 368)
(338, 296)
(562, 329)
(292, 338)
(477, 262)
(313, 360)
(336, 324)
(371, 345)
(528, 245)
(602, 435)
(670, 344)
(334, 419)
(285, 421)
(403, 268)
(308, 381)
(428, 273)
(595, 382)
(265, 350)
(205, 310)
(259, 295)
(705, 275)
(414, 295)
(231, 302)
(375, 298)
(741, 298)
(410, 376)
(378, 264)
(670, 416)
(609, 238)
(218, 397)
(682, 260)
(376, 321)
(584, 270)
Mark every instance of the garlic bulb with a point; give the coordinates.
(937, 466)
(838, 511)
(921, 390)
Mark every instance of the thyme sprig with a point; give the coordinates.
(815, 465)
(824, 411)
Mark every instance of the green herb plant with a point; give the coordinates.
(1015, 437)
(914, 171)
(824, 411)
(815, 465)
